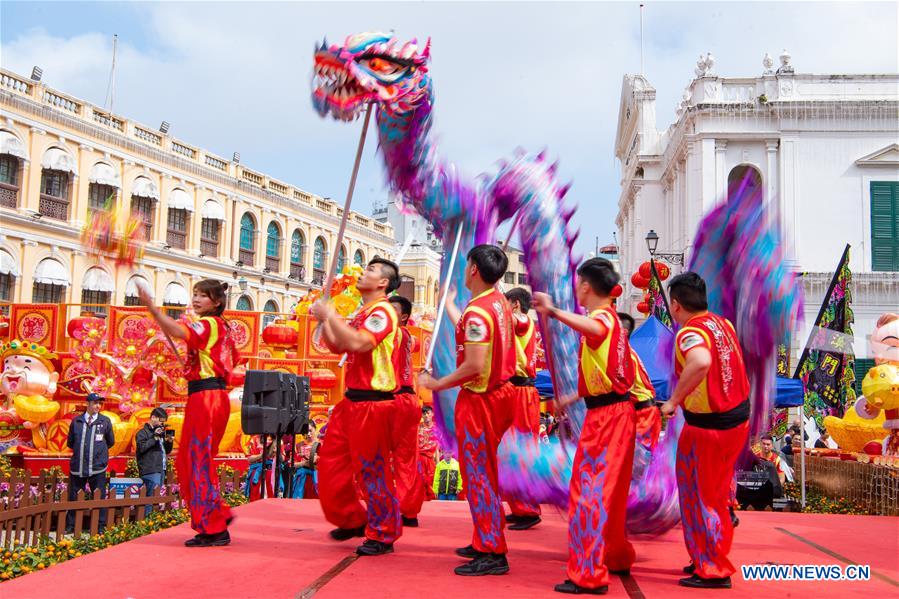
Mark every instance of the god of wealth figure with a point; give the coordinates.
(27, 385)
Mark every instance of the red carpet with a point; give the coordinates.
(280, 550)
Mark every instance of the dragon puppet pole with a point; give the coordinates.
(442, 307)
(346, 206)
(512, 230)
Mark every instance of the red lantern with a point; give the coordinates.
(278, 334)
(639, 281)
(643, 308)
(647, 297)
(83, 324)
(646, 270)
(321, 378)
(662, 270)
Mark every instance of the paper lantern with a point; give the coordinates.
(643, 308)
(645, 270)
(639, 281)
(663, 271)
(279, 334)
(321, 378)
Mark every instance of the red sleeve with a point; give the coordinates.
(475, 328)
(198, 333)
(415, 343)
(522, 323)
(379, 324)
(606, 324)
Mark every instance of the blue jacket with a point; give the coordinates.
(90, 445)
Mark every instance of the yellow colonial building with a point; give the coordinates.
(205, 216)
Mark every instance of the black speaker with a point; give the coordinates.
(275, 403)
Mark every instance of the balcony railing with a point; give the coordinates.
(9, 195)
(298, 272)
(176, 239)
(53, 207)
(209, 248)
(318, 277)
(248, 257)
(273, 263)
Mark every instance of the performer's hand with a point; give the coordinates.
(144, 294)
(668, 409)
(321, 310)
(426, 380)
(542, 303)
(451, 294)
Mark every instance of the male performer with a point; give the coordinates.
(714, 390)
(485, 363)
(409, 486)
(427, 450)
(601, 474)
(359, 429)
(649, 419)
(526, 417)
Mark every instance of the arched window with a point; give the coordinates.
(50, 281)
(273, 247)
(96, 289)
(271, 310)
(9, 271)
(359, 258)
(210, 228)
(318, 261)
(11, 151)
(177, 298)
(57, 168)
(341, 259)
(103, 186)
(297, 255)
(144, 195)
(244, 303)
(743, 179)
(247, 253)
(131, 298)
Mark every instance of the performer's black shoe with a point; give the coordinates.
(689, 569)
(510, 518)
(735, 522)
(696, 582)
(484, 564)
(468, 552)
(373, 547)
(218, 539)
(624, 572)
(345, 534)
(576, 589)
(410, 522)
(525, 522)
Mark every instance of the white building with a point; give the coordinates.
(824, 148)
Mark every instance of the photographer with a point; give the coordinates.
(154, 443)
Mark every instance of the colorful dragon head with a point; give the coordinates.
(368, 67)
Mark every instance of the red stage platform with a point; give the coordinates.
(280, 549)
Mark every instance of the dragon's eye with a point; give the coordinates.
(381, 66)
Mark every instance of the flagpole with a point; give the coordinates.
(442, 307)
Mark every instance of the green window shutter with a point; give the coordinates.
(862, 366)
(885, 225)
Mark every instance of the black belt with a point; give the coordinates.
(719, 420)
(406, 390)
(209, 384)
(606, 399)
(523, 381)
(367, 395)
(646, 403)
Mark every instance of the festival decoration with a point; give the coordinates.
(639, 281)
(645, 270)
(828, 374)
(881, 385)
(28, 384)
(281, 335)
(656, 300)
(114, 233)
(852, 432)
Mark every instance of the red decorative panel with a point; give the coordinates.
(36, 323)
(128, 325)
(315, 348)
(281, 365)
(245, 329)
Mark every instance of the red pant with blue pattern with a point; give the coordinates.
(358, 443)
(597, 509)
(526, 419)
(649, 427)
(409, 486)
(205, 419)
(705, 474)
(481, 420)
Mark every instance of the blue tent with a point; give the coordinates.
(654, 343)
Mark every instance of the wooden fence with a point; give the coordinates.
(872, 485)
(36, 516)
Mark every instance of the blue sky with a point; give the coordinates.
(235, 76)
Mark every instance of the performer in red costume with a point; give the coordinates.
(649, 419)
(601, 473)
(359, 440)
(427, 451)
(484, 407)
(714, 390)
(210, 361)
(526, 418)
(409, 486)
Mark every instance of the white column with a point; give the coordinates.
(771, 179)
(789, 200)
(692, 194)
(707, 172)
(720, 169)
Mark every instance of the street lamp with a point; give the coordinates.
(652, 242)
(242, 284)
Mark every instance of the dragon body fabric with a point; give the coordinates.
(376, 68)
